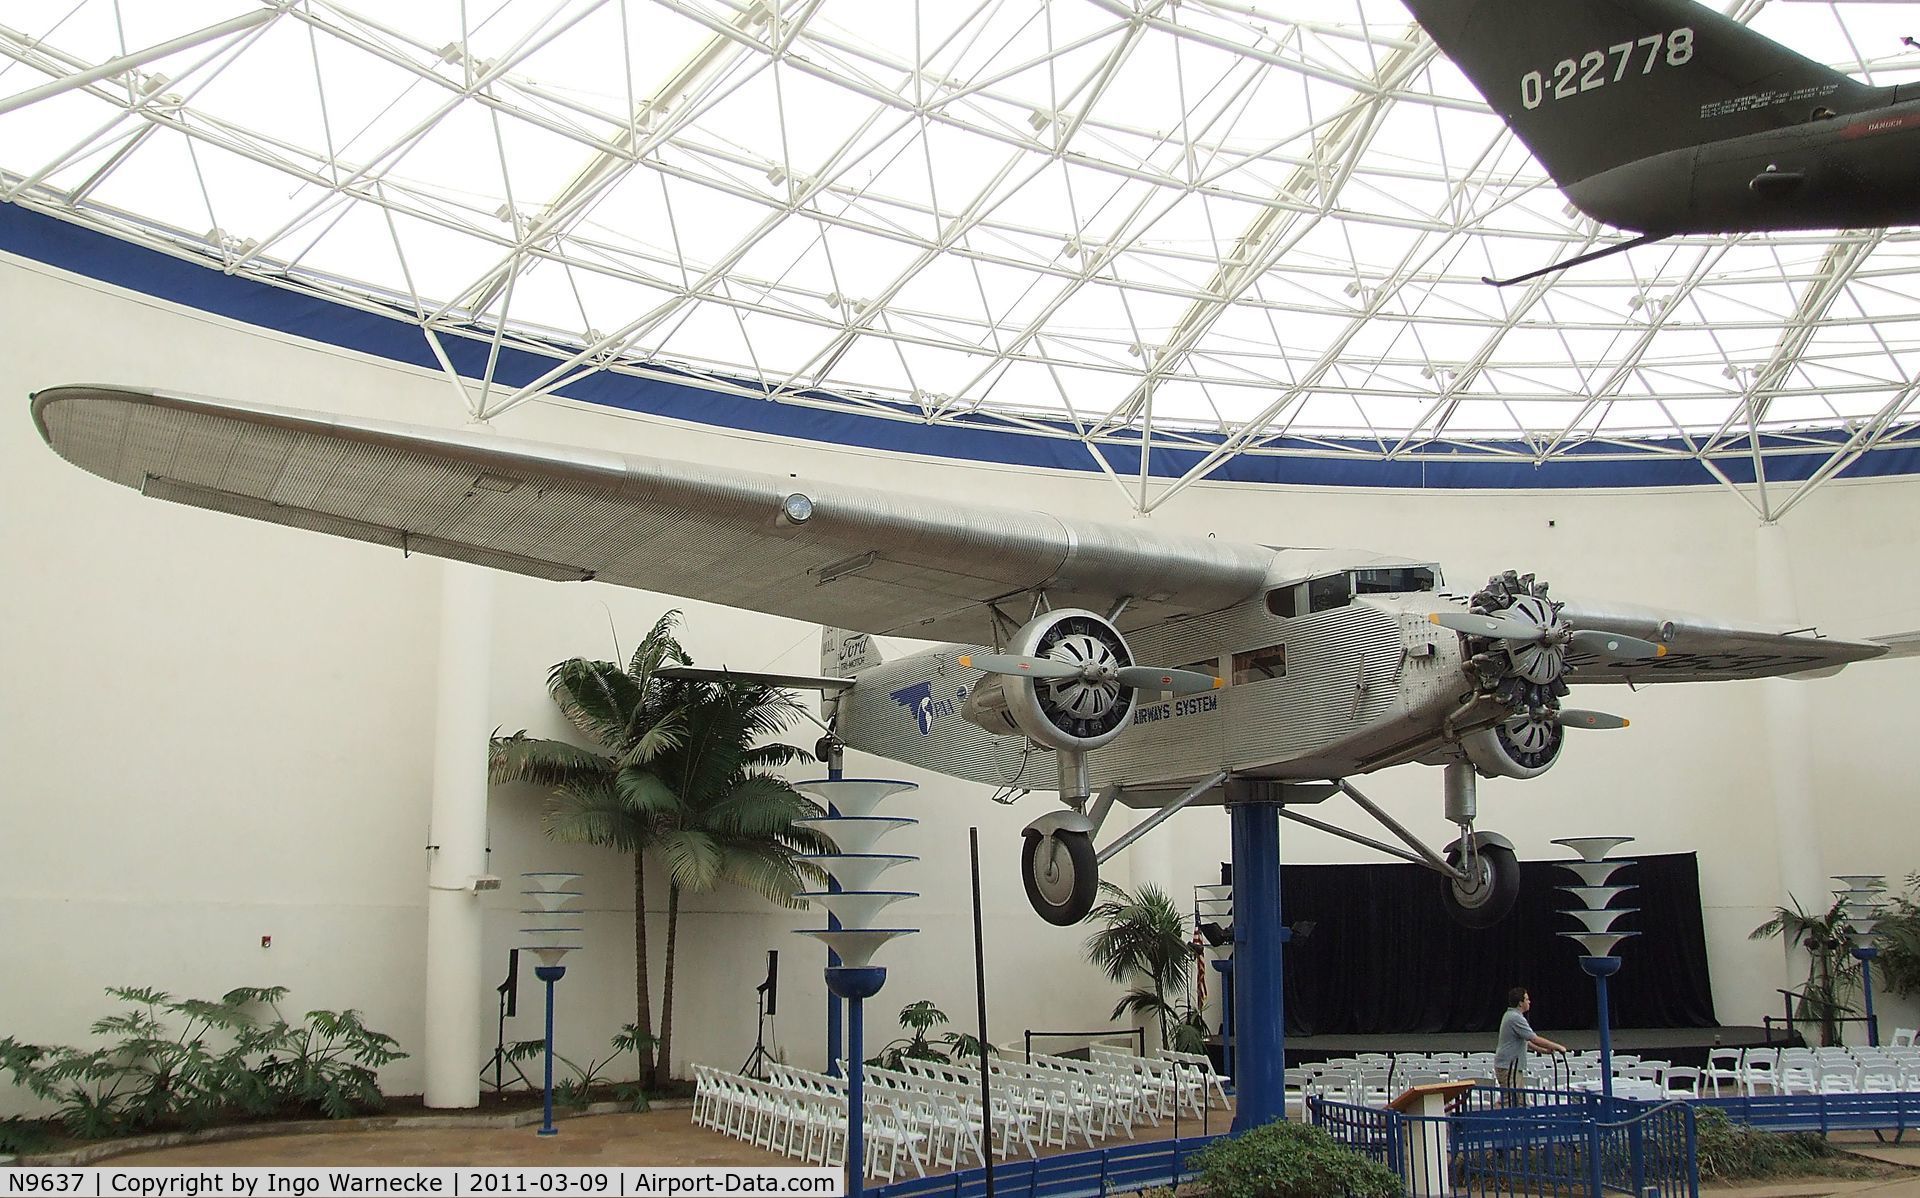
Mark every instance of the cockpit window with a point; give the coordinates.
(1398, 580)
(1337, 590)
(1325, 594)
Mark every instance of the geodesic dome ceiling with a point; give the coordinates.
(1227, 231)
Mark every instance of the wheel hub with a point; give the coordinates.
(1054, 876)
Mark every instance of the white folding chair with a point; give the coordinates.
(1836, 1077)
(1723, 1065)
(1760, 1066)
(1683, 1081)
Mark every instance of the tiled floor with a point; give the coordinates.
(659, 1137)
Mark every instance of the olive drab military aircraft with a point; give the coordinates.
(1664, 117)
(1115, 664)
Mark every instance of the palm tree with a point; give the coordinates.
(1830, 967)
(1899, 935)
(721, 814)
(1142, 933)
(608, 798)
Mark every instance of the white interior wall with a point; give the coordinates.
(218, 730)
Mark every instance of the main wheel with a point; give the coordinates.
(1062, 877)
(1484, 901)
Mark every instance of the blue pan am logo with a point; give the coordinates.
(919, 700)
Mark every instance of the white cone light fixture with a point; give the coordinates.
(856, 900)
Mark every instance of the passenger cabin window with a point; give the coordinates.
(1258, 665)
(1337, 590)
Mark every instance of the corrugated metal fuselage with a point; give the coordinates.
(1363, 686)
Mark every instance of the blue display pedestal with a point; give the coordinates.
(1259, 941)
(856, 985)
(549, 974)
(1600, 969)
(1865, 955)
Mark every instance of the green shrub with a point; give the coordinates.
(190, 1062)
(918, 1018)
(1730, 1151)
(1290, 1160)
(21, 1137)
(326, 1064)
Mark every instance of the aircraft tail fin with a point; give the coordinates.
(1591, 84)
(844, 653)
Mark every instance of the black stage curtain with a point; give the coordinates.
(1384, 957)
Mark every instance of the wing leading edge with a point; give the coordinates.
(864, 559)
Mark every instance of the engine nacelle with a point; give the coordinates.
(1524, 746)
(1067, 714)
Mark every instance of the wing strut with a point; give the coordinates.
(1157, 818)
(1428, 857)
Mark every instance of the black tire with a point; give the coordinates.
(1487, 904)
(1061, 885)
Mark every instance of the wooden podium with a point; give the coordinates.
(1427, 1144)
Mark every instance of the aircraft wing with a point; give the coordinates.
(1701, 649)
(864, 559)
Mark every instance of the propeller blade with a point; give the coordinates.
(1616, 647)
(1180, 682)
(1475, 624)
(1575, 718)
(1010, 663)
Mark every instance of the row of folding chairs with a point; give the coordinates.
(808, 1123)
(1054, 1103)
(1188, 1064)
(1013, 1119)
(1832, 1070)
(804, 1115)
(1373, 1079)
(1064, 1098)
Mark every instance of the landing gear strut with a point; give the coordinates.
(1057, 862)
(1480, 874)
(1486, 874)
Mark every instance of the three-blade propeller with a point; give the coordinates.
(1180, 682)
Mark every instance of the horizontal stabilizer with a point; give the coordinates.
(1901, 644)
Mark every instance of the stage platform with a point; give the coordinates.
(1677, 1045)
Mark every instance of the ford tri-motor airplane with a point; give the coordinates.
(1665, 117)
(1114, 663)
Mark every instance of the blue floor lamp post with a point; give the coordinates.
(550, 939)
(854, 903)
(1863, 905)
(1598, 938)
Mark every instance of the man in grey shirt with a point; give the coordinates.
(1516, 1034)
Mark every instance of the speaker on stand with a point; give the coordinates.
(769, 999)
(509, 992)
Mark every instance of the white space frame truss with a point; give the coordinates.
(1225, 273)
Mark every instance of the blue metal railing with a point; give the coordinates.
(1500, 1144)
(1872, 1111)
(1496, 1143)
(1070, 1175)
